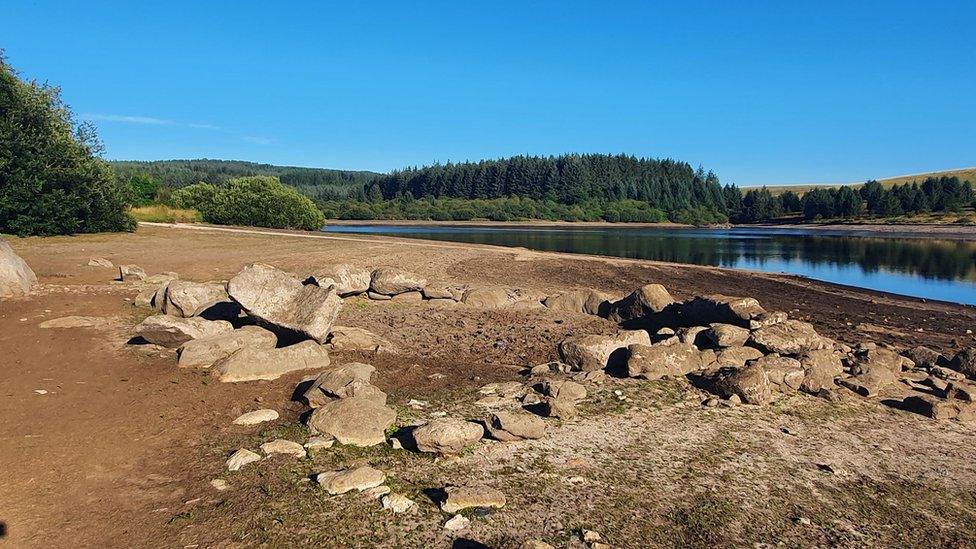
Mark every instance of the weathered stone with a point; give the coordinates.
(338, 382)
(409, 297)
(16, 278)
(447, 435)
(66, 322)
(256, 417)
(579, 301)
(186, 299)
(161, 278)
(785, 374)
(240, 458)
(926, 358)
(872, 359)
(498, 297)
(790, 337)
(275, 297)
(100, 262)
(727, 335)
(171, 331)
(205, 351)
(388, 281)
(647, 300)
(398, 503)
(453, 292)
(750, 383)
(563, 389)
(736, 357)
(356, 421)
(131, 272)
(378, 297)
(251, 364)
(347, 279)
(147, 297)
(562, 408)
(457, 523)
(931, 406)
(762, 320)
(869, 382)
(465, 497)
(509, 426)
(820, 367)
(705, 310)
(595, 352)
(655, 362)
(694, 335)
(360, 478)
(319, 442)
(965, 362)
(282, 446)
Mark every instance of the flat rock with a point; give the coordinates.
(356, 421)
(717, 308)
(319, 442)
(16, 278)
(736, 356)
(345, 338)
(171, 331)
(447, 435)
(727, 335)
(186, 299)
(389, 281)
(128, 273)
(251, 364)
(589, 302)
(241, 458)
(341, 382)
(360, 478)
(100, 262)
(457, 523)
(282, 446)
(275, 297)
(73, 322)
(569, 390)
(785, 374)
(256, 417)
(409, 297)
(453, 292)
(596, 352)
(655, 362)
(510, 426)
(398, 503)
(465, 497)
(205, 351)
(791, 337)
(346, 279)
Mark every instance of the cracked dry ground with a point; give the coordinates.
(122, 448)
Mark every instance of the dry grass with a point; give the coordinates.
(160, 213)
(965, 174)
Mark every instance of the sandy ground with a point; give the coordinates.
(121, 447)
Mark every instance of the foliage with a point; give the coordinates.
(52, 180)
(161, 213)
(259, 201)
(143, 187)
(935, 194)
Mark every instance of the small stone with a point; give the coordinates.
(282, 446)
(377, 493)
(360, 478)
(241, 458)
(219, 484)
(463, 497)
(319, 443)
(398, 503)
(255, 417)
(457, 523)
(590, 536)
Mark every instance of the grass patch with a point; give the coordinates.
(159, 213)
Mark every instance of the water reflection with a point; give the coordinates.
(935, 269)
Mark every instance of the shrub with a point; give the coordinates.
(161, 213)
(52, 181)
(259, 201)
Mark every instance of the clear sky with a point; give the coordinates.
(761, 92)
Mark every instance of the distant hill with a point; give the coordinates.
(965, 174)
(315, 182)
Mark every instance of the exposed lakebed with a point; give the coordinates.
(915, 266)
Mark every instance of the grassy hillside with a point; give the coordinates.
(965, 174)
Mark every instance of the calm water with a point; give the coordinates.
(927, 268)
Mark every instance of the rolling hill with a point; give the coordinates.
(965, 174)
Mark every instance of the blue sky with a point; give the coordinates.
(761, 92)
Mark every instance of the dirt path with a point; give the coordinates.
(121, 446)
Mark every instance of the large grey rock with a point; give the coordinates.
(346, 338)
(705, 310)
(820, 367)
(356, 421)
(464, 497)
(926, 358)
(657, 361)
(785, 374)
(563, 389)
(645, 301)
(347, 279)
(965, 362)
(727, 335)
(579, 301)
(750, 383)
(876, 358)
(447, 435)
(388, 281)
(16, 278)
(359, 479)
(595, 352)
(252, 364)
(791, 337)
(171, 331)
(205, 351)
(736, 357)
(186, 299)
(275, 297)
(509, 426)
(345, 381)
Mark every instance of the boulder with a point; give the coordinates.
(356, 421)
(100, 262)
(647, 300)
(657, 361)
(869, 381)
(589, 302)
(240, 458)
(876, 358)
(595, 352)
(398, 503)
(509, 426)
(926, 358)
(347, 279)
(727, 335)
(339, 382)
(171, 331)
(16, 278)
(205, 351)
(820, 367)
(346, 338)
(562, 408)
(161, 278)
(275, 297)
(785, 374)
(790, 337)
(389, 281)
(359, 479)
(131, 272)
(186, 299)
(256, 417)
(750, 383)
(736, 357)
(282, 446)
(563, 389)
(465, 497)
(965, 362)
(763, 320)
(147, 297)
(447, 435)
(939, 408)
(694, 335)
(706, 310)
(252, 364)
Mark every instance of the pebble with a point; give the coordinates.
(457, 523)
(40, 391)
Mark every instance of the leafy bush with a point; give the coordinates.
(259, 201)
(52, 181)
(143, 187)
